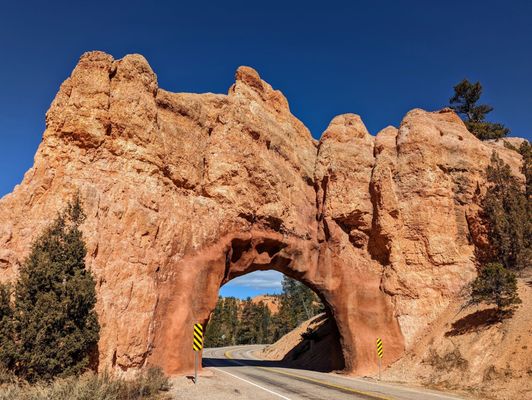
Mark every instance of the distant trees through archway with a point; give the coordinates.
(295, 320)
(262, 319)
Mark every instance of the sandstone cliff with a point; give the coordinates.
(184, 192)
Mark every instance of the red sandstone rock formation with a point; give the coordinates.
(184, 192)
(272, 302)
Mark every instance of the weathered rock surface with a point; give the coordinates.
(186, 191)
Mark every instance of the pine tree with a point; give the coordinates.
(302, 302)
(526, 152)
(247, 332)
(495, 285)
(223, 325)
(213, 333)
(230, 312)
(284, 321)
(297, 304)
(464, 102)
(55, 324)
(508, 212)
(7, 338)
(262, 320)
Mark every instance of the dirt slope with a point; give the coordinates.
(468, 350)
(313, 345)
(471, 350)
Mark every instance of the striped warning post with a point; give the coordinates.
(380, 350)
(198, 337)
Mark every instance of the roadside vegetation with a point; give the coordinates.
(235, 322)
(507, 211)
(49, 329)
(152, 384)
(496, 285)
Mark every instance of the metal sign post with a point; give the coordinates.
(195, 367)
(197, 345)
(379, 354)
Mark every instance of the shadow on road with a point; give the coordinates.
(235, 362)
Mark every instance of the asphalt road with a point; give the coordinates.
(271, 380)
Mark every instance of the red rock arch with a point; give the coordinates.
(358, 323)
(176, 184)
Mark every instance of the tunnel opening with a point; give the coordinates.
(323, 344)
(266, 303)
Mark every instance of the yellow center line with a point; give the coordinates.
(228, 354)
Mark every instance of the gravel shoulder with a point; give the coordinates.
(219, 386)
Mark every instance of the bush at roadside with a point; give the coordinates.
(152, 384)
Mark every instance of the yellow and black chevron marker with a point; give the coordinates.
(380, 350)
(198, 337)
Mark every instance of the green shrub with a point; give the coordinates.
(310, 334)
(495, 285)
(51, 327)
(7, 340)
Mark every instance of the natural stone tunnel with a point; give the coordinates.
(263, 253)
(263, 250)
(186, 191)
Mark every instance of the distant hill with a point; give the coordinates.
(273, 302)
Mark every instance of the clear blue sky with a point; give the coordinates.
(374, 58)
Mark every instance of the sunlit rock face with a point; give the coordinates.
(184, 192)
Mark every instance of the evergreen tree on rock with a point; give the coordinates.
(508, 212)
(464, 102)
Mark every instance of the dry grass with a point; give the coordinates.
(152, 384)
(452, 360)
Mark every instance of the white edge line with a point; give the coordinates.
(251, 383)
(421, 391)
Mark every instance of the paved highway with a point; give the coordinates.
(270, 380)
